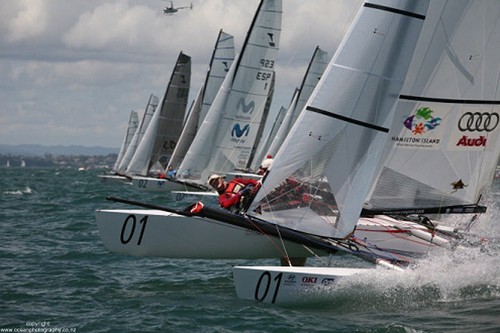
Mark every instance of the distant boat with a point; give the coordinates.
(23, 163)
(7, 165)
(133, 125)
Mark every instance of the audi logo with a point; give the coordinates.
(477, 121)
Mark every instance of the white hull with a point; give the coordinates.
(114, 179)
(158, 233)
(398, 236)
(208, 198)
(175, 236)
(288, 285)
(158, 184)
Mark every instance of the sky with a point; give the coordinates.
(71, 71)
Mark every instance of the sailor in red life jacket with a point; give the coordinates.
(231, 193)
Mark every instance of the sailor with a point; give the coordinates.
(233, 193)
(171, 171)
(265, 164)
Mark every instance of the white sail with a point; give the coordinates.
(226, 137)
(136, 139)
(322, 173)
(315, 70)
(133, 124)
(165, 127)
(448, 117)
(264, 147)
(254, 161)
(220, 62)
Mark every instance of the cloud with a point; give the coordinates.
(29, 21)
(72, 70)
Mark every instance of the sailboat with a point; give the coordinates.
(164, 129)
(220, 63)
(138, 135)
(227, 138)
(439, 118)
(133, 124)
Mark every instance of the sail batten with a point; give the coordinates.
(394, 10)
(347, 119)
(449, 100)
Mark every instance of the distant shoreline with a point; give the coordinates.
(32, 150)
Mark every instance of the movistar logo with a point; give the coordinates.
(246, 108)
(422, 121)
(239, 132)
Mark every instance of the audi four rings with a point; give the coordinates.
(478, 121)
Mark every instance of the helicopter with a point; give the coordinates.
(169, 10)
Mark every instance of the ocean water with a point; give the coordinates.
(57, 276)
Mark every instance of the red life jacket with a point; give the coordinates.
(233, 187)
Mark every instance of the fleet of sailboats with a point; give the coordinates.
(403, 122)
(219, 65)
(154, 138)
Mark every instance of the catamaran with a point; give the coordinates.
(440, 151)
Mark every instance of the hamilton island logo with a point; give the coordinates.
(239, 132)
(422, 121)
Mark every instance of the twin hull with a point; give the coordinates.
(140, 232)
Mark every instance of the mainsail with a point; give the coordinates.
(226, 138)
(138, 135)
(448, 116)
(133, 124)
(315, 70)
(165, 127)
(322, 173)
(220, 62)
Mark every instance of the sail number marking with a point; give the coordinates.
(264, 285)
(128, 229)
(263, 76)
(142, 183)
(266, 63)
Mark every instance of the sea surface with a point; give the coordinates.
(57, 276)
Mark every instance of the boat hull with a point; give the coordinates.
(402, 237)
(188, 197)
(159, 184)
(158, 233)
(114, 179)
(287, 285)
(141, 232)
